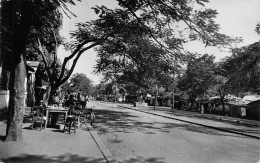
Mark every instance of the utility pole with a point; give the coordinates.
(115, 92)
(173, 83)
(155, 100)
(173, 93)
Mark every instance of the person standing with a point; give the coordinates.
(78, 97)
(202, 108)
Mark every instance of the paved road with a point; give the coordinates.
(132, 136)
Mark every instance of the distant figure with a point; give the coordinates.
(55, 100)
(66, 96)
(243, 112)
(141, 98)
(78, 97)
(72, 103)
(210, 108)
(81, 101)
(202, 109)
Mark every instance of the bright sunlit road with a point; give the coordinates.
(132, 136)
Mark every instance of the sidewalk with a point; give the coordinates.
(52, 145)
(229, 124)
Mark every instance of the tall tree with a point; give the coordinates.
(18, 19)
(80, 83)
(138, 17)
(242, 69)
(199, 77)
(154, 21)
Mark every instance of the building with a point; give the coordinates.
(4, 79)
(253, 102)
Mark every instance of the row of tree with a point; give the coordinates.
(138, 43)
(200, 77)
(80, 83)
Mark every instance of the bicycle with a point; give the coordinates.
(89, 115)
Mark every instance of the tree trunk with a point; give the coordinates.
(155, 100)
(17, 101)
(20, 31)
(191, 105)
(173, 100)
(192, 102)
(223, 105)
(222, 96)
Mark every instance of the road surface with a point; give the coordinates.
(132, 136)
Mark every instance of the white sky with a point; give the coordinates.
(237, 18)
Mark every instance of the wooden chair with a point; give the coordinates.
(37, 113)
(71, 123)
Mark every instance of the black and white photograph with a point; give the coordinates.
(130, 81)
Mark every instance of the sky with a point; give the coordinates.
(237, 18)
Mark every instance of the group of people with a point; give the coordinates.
(76, 102)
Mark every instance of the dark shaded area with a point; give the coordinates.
(28, 119)
(141, 159)
(216, 118)
(2, 138)
(213, 117)
(3, 115)
(110, 121)
(43, 158)
(74, 158)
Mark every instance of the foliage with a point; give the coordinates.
(257, 28)
(143, 42)
(143, 64)
(162, 16)
(80, 83)
(242, 69)
(199, 77)
(19, 19)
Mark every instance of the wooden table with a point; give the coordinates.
(52, 109)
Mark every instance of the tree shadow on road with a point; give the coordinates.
(123, 121)
(25, 158)
(212, 117)
(142, 159)
(59, 159)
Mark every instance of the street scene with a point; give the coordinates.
(134, 136)
(123, 133)
(122, 81)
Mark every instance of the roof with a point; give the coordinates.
(213, 98)
(237, 103)
(32, 63)
(230, 99)
(251, 98)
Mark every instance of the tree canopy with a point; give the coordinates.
(242, 69)
(143, 40)
(80, 83)
(199, 76)
(31, 26)
(20, 21)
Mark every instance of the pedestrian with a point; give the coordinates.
(72, 103)
(202, 109)
(78, 97)
(210, 108)
(243, 112)
(85, 101)
(55, 100)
